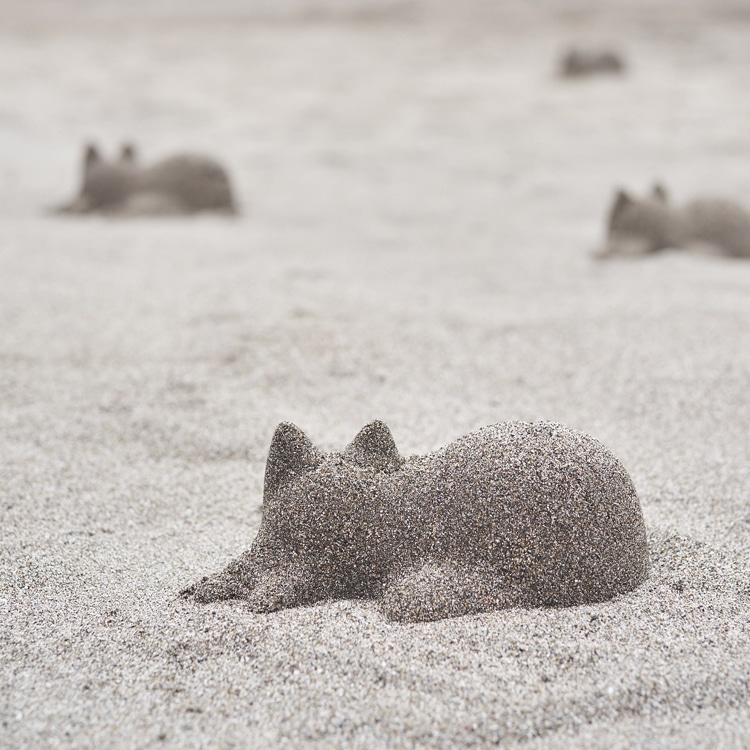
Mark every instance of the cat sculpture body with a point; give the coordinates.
(644, 226)
(178, 185)
(515, 514)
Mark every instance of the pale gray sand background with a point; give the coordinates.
(422, 197)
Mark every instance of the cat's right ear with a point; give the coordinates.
(91, 157)
(290, 455)
(128, 153)
(621, 202)
(375, 448)
(659, 193)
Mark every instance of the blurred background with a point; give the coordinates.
(419, 164)
(327, 107)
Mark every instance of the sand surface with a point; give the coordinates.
(421, 200)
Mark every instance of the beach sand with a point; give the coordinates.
(421, 199)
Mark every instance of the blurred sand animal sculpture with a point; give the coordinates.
(178, 185)
(515, 514)
(639, 227)
(578, 63)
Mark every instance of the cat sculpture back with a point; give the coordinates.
(515, 514)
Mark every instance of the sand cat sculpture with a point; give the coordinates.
(516, 514)
(182, 184)
(578, 63)
(640, 227)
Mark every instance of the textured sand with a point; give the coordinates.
(423, 200)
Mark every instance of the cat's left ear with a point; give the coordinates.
(621, 202)
(375, 448)
(291, 455)
(91, 157)
(659, 193)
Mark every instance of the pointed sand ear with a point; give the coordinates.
(128, 153)
(659, 193)
(375, 448)
(622, 201)
(91, 157)
(291, 454)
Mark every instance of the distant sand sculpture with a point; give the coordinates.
(178, 185)
(577, 63)
(515, 514)
(638, 227)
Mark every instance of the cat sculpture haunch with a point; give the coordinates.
(516, 514)
(178, 185)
